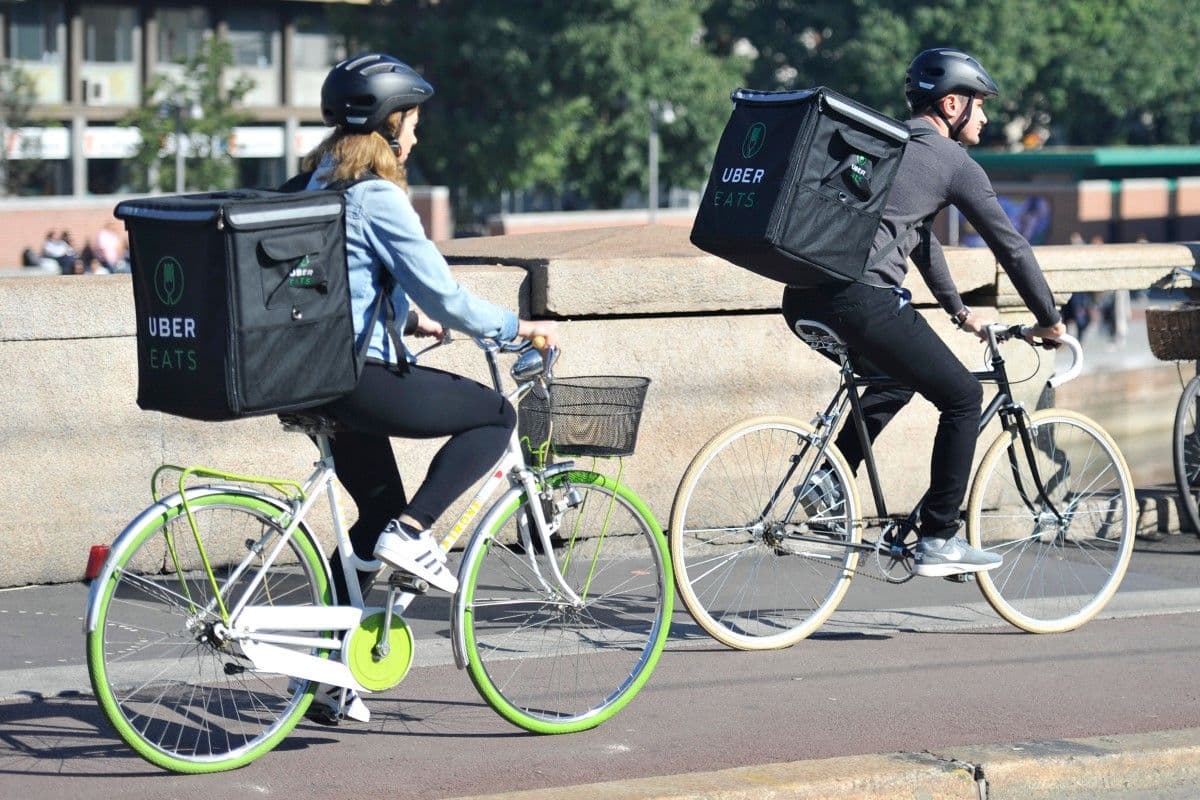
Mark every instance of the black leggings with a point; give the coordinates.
(413, 402)
(891, 339)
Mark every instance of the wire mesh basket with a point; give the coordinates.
(594, 415)
(1174, 333)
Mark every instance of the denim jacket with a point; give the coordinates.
(383, 232)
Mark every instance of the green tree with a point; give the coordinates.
(203, 108)
(1097, 71)
(557, 96)
(18, 95)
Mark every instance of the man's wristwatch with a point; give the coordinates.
(960, 317)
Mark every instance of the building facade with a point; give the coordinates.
(90, 62)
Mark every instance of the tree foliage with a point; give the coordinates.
(204, 108)
(1095, 71)
(555, 96)
(18, 94)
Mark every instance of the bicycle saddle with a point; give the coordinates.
(312, 424)
(820, 337)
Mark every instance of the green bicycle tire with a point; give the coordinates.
(494, 560)
(103, 597)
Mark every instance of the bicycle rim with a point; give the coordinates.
(1186, 452)
(1058, 570)
(741, 573)
(178, 699)
(548, 665)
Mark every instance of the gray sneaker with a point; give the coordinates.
(821, 494)
(937, 558)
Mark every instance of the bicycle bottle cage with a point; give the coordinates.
(822, 339)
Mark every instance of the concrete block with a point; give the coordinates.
(80, 453)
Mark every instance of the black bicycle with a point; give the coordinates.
(767, 532)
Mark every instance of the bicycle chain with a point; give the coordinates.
(874, 555)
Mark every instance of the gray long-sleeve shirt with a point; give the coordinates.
(935, 172)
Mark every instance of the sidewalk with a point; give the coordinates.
(1165, 764)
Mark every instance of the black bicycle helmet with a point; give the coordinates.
(935, 73)
(360, 92)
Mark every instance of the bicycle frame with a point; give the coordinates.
(262, 631)
(847, 399)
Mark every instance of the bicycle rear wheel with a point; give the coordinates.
(762, 559)
(547, 664)
(1186, 452)
(181, 697)
(1059, 568)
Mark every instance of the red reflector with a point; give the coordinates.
(96, 558)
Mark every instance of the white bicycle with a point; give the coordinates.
(212, 621)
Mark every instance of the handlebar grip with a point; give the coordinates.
(1076, 366)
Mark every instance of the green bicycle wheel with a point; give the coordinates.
(182, 697)
(544, 662)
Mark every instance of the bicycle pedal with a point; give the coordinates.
(962, 577)
(408, 583)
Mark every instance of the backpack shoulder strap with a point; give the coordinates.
(925, 226)
(296, 183)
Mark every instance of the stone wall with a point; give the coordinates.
(79, 454)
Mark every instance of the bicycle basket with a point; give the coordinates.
(1174, 333)
(585, 416)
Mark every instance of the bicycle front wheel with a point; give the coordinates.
(545, 661)
(763, 556)
(1065, 550)
(182, 696)
(1186, 452)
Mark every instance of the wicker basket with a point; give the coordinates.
(1174, 333)
(585, 416)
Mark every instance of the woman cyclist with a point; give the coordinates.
(373, 101)
(945, 89)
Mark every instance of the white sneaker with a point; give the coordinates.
(416, 554)
(327, 709)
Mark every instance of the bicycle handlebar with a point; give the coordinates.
(1002, 333)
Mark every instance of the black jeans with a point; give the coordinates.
(412, 402)
(889, 338)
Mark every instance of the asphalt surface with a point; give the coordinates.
(922, 670)
(917, 690)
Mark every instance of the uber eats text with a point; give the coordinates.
(175, 357)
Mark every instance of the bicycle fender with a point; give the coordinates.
(162, 507)
(458, 634)
(459, 607)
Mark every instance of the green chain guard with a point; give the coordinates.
(358, 653)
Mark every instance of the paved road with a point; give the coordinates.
(920, 667)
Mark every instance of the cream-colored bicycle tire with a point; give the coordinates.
(993, 583)
(839, 579)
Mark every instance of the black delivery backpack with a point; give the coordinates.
(799, 184)
(242, 302)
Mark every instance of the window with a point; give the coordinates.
(108, 32)
(315, 47)
(251, 34)
(181, 33)
(34, 31)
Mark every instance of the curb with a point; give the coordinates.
(1066, 769)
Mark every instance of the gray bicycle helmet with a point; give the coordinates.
(935, 73)
(359, 93)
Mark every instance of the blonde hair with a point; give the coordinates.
(355, 154)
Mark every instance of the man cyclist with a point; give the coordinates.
(945, 89)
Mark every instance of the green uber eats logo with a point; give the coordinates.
(169, 333)
(168, 280)
(860, 173)
(302, 275)
(754, 140)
